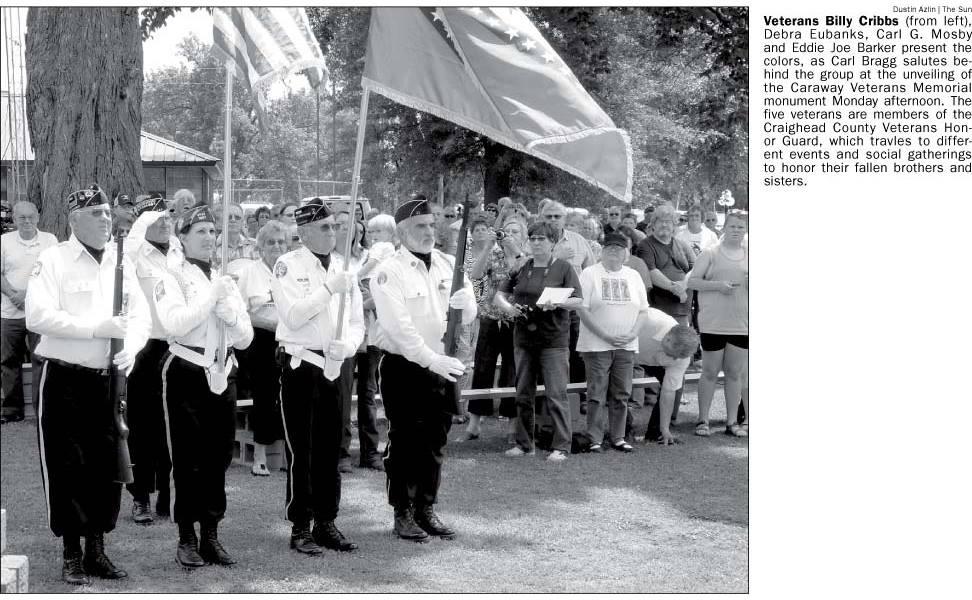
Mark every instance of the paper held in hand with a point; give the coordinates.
(554, 295)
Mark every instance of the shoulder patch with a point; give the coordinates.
(36, 269)
(382, 278)
(159, 291)
(280, 269)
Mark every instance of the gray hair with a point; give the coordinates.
(550, 202)
(664, 212)
(272, 228)
(24, 204)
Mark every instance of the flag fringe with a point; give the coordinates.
(448, 115)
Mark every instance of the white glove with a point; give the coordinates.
(218, 289)
(341, 350)
(124, 361)
(112, 327)
(224, 310)
(447, 367)
(463, 300)
(339, 282)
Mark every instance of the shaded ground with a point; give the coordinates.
(658, 520)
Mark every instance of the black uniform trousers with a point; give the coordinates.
(259, 361)
(419, 422)
(311, 408)
(201, 428)
(146, 422)
(77, 441)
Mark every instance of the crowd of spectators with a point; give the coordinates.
(645, 291)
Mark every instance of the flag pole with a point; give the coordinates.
(352, 230)
(227, 191)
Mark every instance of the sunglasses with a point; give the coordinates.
(235, 218)
(614, 214)
(449, 216)
(539, 238)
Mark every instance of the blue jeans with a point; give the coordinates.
(608, 383)
(553, 363)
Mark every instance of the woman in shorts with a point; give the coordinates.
(721, 276)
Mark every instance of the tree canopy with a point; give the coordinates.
(675, 78)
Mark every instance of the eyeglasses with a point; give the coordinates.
(235, 218)
(295, 238)
(539, 238)
(449, 216)
(553, 217)
(614, 214)
(277, 242)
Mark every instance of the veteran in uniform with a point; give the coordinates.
(411, 294)
(147, 244)
(194, 303)
(307, 286)
(69, 302)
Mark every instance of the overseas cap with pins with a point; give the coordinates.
(92, 196)
(412, 208)
(150, 202)
(195, 215)
(314, 210)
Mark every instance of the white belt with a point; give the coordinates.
(299, 354)
(217, 380)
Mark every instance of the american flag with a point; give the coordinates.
(267, 43)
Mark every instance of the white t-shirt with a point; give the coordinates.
(650, 351)
(698, 241)
(17, 258)
(614, 300)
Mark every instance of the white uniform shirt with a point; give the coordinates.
(69, 294)
(307, 312)
(255, 287)
(149, 268)
(17, 257)
(185, 308)
(412, 304)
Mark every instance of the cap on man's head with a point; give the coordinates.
(412, 208)
(92, 196)
(615, 239)
(314, 210)
(150, 202)
(124, 200)
(195, 215)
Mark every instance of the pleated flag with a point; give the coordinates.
(266, 44)
(490, 70)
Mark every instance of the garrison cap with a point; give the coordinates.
(154, 202)
(92, 196)
(412, 208)
(314, 210)
(195, 215)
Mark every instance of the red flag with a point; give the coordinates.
(490, 70)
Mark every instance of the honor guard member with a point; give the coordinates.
(147, 244)
(411, 294)
(307, 286)
(69, 302)
(194, 303)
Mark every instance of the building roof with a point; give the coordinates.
(154, 149)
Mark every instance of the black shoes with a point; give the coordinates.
(326, 535)
(141, 512)
(72, 570)
(211, 550)
(187, 554)
(16, 418)
(302, 541)
(405, 526)
(426, 518)
(373, 462)
(96, 562)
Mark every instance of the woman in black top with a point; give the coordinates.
(541, 339)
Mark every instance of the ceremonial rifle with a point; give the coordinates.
(116, 378)
(454, 322)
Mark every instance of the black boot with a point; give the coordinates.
(211, 550)
(327, 535)
(96, 562)
(72, 571)
(302, 541)
(187, 554)
(426, 518)
(405, 526)
(162, 504)
(141, 511)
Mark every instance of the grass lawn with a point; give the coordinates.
(658, 520)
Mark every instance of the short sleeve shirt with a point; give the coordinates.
(17, 257)
(546, 329)
(662, 257)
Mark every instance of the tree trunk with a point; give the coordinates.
(84, 105)
(499, 169)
